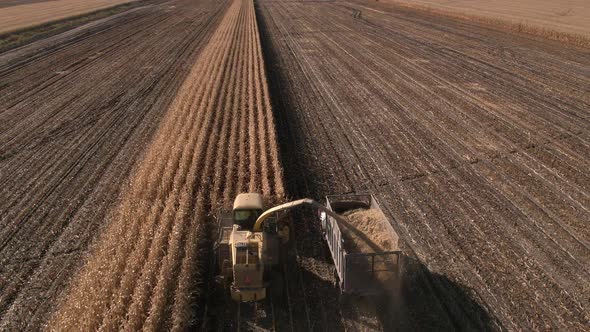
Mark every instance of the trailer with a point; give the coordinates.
(364, 273)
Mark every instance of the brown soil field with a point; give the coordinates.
(76, 111)
(561, 15)
(216, 140)
(20, 14)
(475, 141)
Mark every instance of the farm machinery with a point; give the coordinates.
(253, 243)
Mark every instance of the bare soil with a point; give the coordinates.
(10, 3)
(561, 15)
(475, 142)
(22, 14)
(14, 39)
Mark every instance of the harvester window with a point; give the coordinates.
(247, 255)
(246, 218)
(242, 255)
(253, 254)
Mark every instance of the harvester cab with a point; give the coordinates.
(247, 208)
(247, 258)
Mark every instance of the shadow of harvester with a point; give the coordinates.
(427, 301)
(416, 300)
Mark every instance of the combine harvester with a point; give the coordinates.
(253, 245)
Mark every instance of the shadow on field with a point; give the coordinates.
(428, 301)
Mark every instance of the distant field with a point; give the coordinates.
(19, 14)
(561, 15)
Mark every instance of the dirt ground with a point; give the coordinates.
(476, 143)
(19, 14)
(561, 15)
(76, 111)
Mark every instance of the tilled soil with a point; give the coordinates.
(19, 14)
(147, 271)
(475, 142)
(566, 16)
(76, 112)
